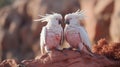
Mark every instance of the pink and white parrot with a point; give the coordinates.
(75, 34)
(51, 36)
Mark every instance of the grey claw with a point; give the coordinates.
(78, 51)
(21, 65)
(59, 50)
(67, 48)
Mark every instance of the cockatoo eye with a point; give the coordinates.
(60, 21)
(67, 22)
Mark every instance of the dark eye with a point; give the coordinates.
(67, 22)
(60, 22)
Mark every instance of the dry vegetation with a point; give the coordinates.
(110, 50)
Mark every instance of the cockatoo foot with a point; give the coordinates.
(67, 48)
(21, 65)
(58, 50)
(92, 55)
(61, 51)
(48, 52)
(79, 51)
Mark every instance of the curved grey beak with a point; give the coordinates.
(67, 22)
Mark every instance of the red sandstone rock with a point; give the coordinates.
(115, 23)
(8, 63)
(67, 59)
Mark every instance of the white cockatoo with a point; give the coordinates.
(51, 36)
(75, 34)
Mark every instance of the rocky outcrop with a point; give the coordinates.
(66, 58)
(8, 63)
(104, 55)
(97, 22)
(115, 23)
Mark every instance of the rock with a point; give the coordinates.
(67, 59)
(98, 18)
(3, 15)
(1, 39)
(115, 23)
(8, 63)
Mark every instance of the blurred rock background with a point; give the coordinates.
(19, 34)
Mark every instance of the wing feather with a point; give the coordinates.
(43, 39)
(84, 37)
(62, 36)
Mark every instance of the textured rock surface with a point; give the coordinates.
(115, 23)
(8, 63)
(105, 55)
(72, 59)
(66, 59)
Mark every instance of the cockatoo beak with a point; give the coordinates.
(67, 22)
(60, 21)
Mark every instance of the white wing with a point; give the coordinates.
(65, 43)
(84, 37)
(62, 36)
(43, 39)
(61, 40)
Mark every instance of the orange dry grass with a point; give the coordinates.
(110, 50)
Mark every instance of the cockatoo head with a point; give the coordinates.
(52, 19)
(74, 18)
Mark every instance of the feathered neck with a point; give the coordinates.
(52, 24)
(74, 23)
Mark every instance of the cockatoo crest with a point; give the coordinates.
(52, 31)
(72, 21)
(48, 17)
(78, 15)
